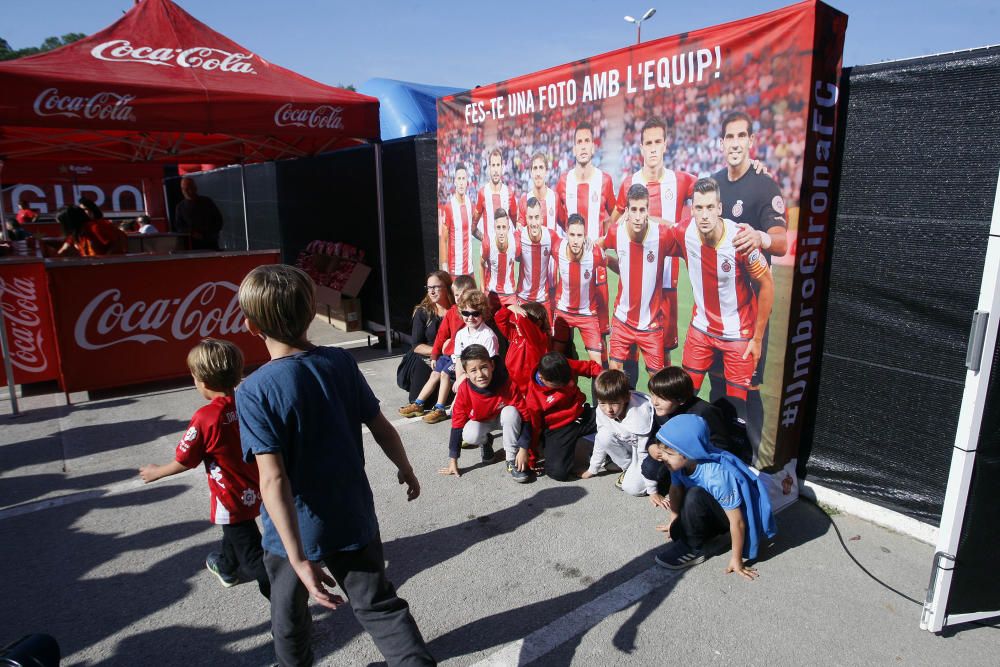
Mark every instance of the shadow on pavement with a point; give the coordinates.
(24, 488)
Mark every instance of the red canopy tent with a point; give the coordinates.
(157, 85)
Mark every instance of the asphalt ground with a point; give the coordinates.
(495, 572)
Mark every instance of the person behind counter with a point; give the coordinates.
(91, 208)
(199, 216)
(89, 238)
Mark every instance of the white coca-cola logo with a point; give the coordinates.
(100, 106)
(198, 57)
(19, 301)
(323, 116)
(107, 321)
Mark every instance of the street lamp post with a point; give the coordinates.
(638, 23)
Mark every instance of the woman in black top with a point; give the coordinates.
(414, 370)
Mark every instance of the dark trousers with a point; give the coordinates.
(559, 444)
(701, 518)
(419, 374)
(382, 613)
(242, 554)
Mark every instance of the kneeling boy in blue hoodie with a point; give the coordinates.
(712, 492)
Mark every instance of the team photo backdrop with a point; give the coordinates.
(572, 136)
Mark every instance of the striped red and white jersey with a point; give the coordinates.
(666, 201)
(594, 199)
(498, 266)
(724, 302)
(458, 222)
(487, 202)
(549, 219)
(576, 281)
(536, 261)
(640, 266)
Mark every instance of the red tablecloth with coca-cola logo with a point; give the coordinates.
(24, 298)
(120, 321)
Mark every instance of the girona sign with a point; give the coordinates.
(323, 116)
(100, 106)
(196, 57)
(210, 309)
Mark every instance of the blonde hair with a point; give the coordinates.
(280, 300)
(217, 363)
(476, 300)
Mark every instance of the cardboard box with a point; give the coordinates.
(348, 316)
(343, 309)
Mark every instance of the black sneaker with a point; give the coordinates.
(679, 555)
(486, 449)
(212, 563)
(519, 476)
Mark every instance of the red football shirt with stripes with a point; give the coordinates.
(640, 266)
(725, 305)
(593, 198)
(498, 266)
(213, 438)
(536, 264)
(458, 222)
(488, 201)
(576, 280)
(549, 209)
(667, 196)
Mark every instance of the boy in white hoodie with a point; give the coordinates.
(624, 424)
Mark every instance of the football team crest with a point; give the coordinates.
(778, 204)
(650, 257)
(738, 208)
(726, 266)
(545, 251)
(191, 434)
(586, 274)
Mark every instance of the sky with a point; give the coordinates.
(464, 44)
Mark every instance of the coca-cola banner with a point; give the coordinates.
(123, 321)
(24, 298)
(670, 197)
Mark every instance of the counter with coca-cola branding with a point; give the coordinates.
(110, 322)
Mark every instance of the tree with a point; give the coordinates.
(7, 53)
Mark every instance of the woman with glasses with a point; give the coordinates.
(414, 370)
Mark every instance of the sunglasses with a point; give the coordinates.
(432, 288)
(470, 313)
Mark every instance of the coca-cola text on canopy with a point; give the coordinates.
(199, 57)
(104, 105)
(323, 116)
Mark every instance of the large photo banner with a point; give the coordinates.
(667, 202)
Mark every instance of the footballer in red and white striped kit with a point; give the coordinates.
(457, 222)
(585, 189)
(498, 259)
(545, 195)
(534, 244)
(641, 249)
(727, 315)
(495, 194)
(577, 286)
(669, 190)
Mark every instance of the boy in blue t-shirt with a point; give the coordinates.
(712, 492)
(300, 418)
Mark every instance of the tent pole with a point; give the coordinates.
(7, 368)
(381, 243)
(3, 214)
(243, 191)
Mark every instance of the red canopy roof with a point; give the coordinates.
(158, 85)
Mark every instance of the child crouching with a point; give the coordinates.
(486, 401)
(624, 424)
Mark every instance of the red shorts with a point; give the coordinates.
(699, 349)
(668, 312)
(506, 299)
(589, 326)
(650, 343)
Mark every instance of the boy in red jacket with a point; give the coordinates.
(487, 401)
(559, 411)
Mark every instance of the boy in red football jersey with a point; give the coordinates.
(489, 400)
(559, 411)
(213, 438)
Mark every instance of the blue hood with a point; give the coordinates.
(688, 435)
